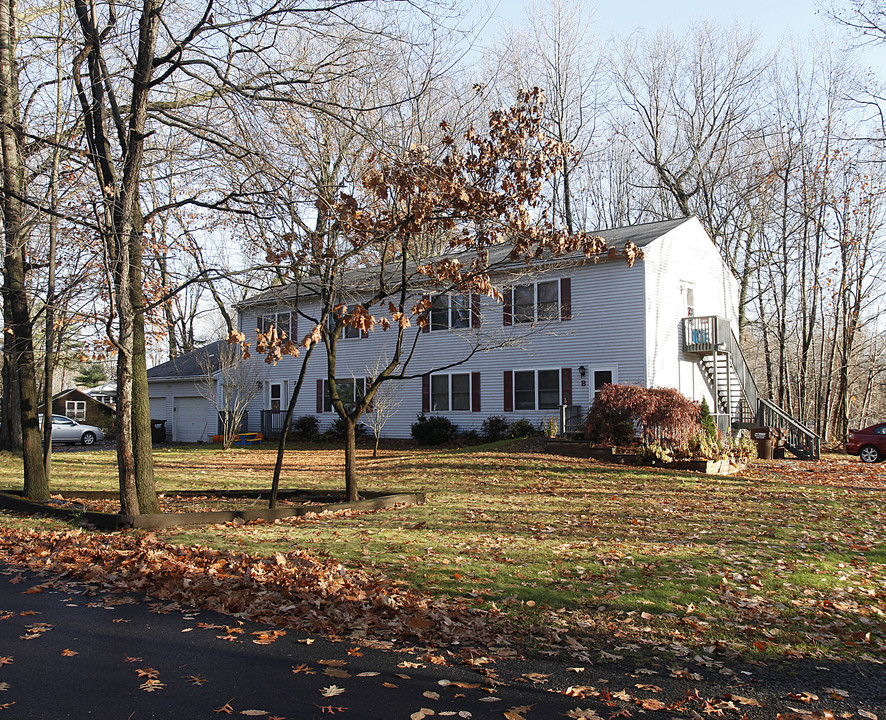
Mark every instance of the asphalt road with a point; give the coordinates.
(72, 652)
(69, 650)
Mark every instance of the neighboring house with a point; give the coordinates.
(105, 393)
(567, 326)
(83, 408)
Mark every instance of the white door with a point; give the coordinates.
(190, 424)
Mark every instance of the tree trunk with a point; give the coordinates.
(143, 454)
(290, 409)
(351, 459)
(36, 486)
(11, 431)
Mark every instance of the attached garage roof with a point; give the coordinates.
(198, 363)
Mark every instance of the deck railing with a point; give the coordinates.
(272, 423)
(713, 334)
(572, 420)
(244, 423)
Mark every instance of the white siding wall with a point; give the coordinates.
(684, 257)
(606, 330)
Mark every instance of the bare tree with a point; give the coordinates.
(384, 404)
(230, 383)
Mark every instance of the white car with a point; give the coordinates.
(65, 430)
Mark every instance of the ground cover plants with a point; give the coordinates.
(785, 560)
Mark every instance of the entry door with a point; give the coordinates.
(190, 419)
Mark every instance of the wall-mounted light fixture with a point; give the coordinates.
(583, 373)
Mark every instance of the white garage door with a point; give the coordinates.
(158, 408)
(190, 419)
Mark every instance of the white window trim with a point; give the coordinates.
(273, 317)
(448, 377)
(284, 386)
(331, 320)
(536, 371)
(535, 319)
(73, 413)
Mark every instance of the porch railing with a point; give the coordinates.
(272, 423)
(572, 420)
(242, 427)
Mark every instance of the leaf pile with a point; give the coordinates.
(292, 589)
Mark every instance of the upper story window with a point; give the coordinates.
(687, 293)
(451, 311)
(283, 320)
(347, 330)
(540, 301)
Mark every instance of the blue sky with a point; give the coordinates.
(775, 20)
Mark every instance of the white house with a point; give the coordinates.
(566, 327)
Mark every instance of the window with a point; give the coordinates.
(347, 331)
(540, 301)
(281, 320)
(601, 377)
(688, 292)
(76, 410)
(536, 389)
(350, 391)
(451, 392)
(451, 311)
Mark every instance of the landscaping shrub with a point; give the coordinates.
(522, 428)
(708, 424)
(338, 430)
(307, 427)
(550, 427)
(434, 430)
(469, 437)
(610, 420)
(662, 415)
(494, 428)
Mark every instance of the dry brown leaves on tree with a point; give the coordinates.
(294, 589)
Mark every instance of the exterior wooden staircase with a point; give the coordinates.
(739, 403)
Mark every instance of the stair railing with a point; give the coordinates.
(739, 364)
(800, 440)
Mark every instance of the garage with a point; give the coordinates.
(190, 424)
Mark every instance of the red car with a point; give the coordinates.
(869, 444)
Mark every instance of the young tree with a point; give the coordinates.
(230, 383)
(384, 405)
(16, 229)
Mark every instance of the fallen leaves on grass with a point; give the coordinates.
(294, 590)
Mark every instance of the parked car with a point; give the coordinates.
(869, 444)
(65, 430)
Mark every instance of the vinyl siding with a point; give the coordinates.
(684, 257)
(606, 328)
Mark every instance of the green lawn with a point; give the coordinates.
(788, 558)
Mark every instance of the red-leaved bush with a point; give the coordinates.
(665, 415)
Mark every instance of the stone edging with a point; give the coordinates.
(570, 448)
(319, 502)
